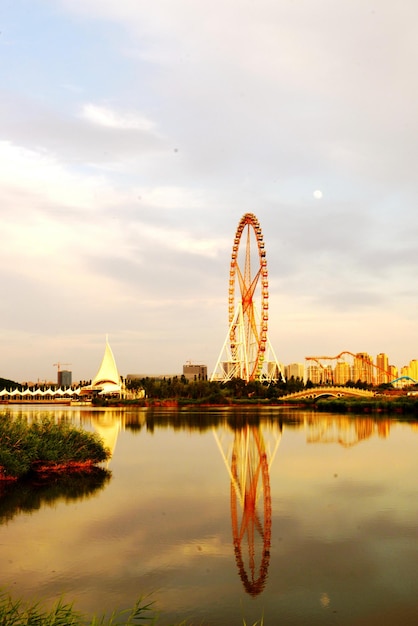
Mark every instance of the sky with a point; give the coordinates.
(134, 134)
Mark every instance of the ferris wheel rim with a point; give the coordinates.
(250, 220)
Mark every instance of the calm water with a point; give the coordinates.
(227, 516)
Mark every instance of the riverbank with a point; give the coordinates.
(379, 404)
(401, 405)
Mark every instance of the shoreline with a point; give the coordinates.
(380, 406)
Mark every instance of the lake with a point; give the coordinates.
(226, 517)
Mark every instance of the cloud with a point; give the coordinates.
(88, 134)
(104, 116)
(126, 165)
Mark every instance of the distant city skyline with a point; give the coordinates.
(135, 135)
(312, 368)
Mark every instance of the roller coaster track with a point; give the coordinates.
(411, 380)
(359, 357)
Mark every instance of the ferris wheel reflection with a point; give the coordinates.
(248, 459)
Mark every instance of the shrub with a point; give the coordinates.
(16, 448)
(61, 443)
(23, 446)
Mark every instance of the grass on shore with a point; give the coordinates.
(17, 613)
(44, 446)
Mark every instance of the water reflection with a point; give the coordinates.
(248, 461)
(228, 514)
(27, 496)
(107, 427)
(345, 431)
(30, 494)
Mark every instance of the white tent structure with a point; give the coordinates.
(38, 394)
(107, 380)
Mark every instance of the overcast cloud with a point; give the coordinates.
(135, 134)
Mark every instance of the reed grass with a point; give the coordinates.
(18, 613)
(45, 445)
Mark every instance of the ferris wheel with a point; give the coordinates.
(246, 349)
(248, 458)
(252, 531)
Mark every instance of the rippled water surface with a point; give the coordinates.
(226, 517)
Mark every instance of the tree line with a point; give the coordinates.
(179, 387)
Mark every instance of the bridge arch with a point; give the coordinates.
(314, 393)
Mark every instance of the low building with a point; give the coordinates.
(194, 371)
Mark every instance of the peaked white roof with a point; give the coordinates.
(107, 378)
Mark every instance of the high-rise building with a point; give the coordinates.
(413, 369)
(328, 374)
(314, 374)
(297, 370)
(342, 373)
(405, 371)
(65, 378)
(363, 368)
(393, 373)
(382, 373)
(275, 370)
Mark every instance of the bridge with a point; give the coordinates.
(314, 393)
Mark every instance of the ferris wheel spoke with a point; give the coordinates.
(254, 328)
(259, 526)
(244, 525)
(248, 293)
(241, 280)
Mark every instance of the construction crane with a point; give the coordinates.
(58, 365)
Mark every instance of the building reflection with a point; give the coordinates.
(248, 460)
(345, 431)
(108, 428)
